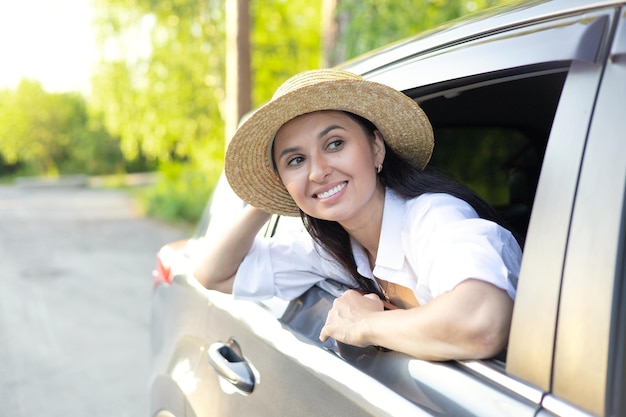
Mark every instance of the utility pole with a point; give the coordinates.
(238, 71)
(333, 25)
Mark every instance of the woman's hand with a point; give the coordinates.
(348, 320)
(470, 322)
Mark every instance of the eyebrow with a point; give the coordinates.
(320, 135)
(330, 128)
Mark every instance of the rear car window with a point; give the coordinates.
(491, 136)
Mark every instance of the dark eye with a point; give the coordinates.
(335, 144)
(296, 160)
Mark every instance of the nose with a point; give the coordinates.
(319, 168)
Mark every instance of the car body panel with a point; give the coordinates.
(332, 385)
(594, 256)
(536, 309)
(285, 363)
(532, 334)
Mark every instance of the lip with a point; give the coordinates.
(335, 189)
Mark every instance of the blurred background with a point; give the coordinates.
(110, 87)
(114, 118)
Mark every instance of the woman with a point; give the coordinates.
(348, 156)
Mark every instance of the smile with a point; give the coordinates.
(332, 191)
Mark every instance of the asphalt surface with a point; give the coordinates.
(75, 289)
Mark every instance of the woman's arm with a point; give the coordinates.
(470, 322)
(217, 267)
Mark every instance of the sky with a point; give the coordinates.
(47, 40)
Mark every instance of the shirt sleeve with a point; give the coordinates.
(451, 244)
(283, 268)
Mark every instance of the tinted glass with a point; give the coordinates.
(491, 137)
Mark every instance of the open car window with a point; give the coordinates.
(492, 136)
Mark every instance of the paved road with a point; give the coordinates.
(75, 288)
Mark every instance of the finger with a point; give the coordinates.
(372, 296)
(324, 335)
(349, 293)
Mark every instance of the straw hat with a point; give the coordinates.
(248, 164)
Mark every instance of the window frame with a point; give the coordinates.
(593, 270)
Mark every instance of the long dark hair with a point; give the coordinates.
(408, 181)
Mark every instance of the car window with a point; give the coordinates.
(491, 137)
(484, 158)
(499, 164)
(491, 134)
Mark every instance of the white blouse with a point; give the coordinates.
(428, 244)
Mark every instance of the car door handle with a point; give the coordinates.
(229, 363)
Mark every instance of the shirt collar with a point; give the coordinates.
(390, 254)
(390, 251)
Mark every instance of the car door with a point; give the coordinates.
(575, 46)
(554, 65)
(248, 362)
(588, 364)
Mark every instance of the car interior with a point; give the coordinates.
(491, 136)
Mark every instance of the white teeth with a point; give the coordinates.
(331, 192)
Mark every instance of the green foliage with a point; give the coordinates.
(285, 40)
(487, 172)
(163, 94)
(52, 134)
(181, 193)
(375, 23)
(161, 86)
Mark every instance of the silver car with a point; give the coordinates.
(529, 110)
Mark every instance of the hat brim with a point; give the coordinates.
(248, 167)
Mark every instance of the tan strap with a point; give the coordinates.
(398, 295)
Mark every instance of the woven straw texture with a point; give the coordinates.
(248, 166)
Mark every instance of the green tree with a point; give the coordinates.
(286, 40)
(164, 98)
(161, 83)
(160, 87)
(364, 25)
(163, 94)
(51, 134)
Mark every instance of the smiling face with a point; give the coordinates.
(328, 165)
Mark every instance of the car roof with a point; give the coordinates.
(473, 27)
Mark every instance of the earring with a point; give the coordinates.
(379, 168)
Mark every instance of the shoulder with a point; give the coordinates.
(438, 208)
(433, 220)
